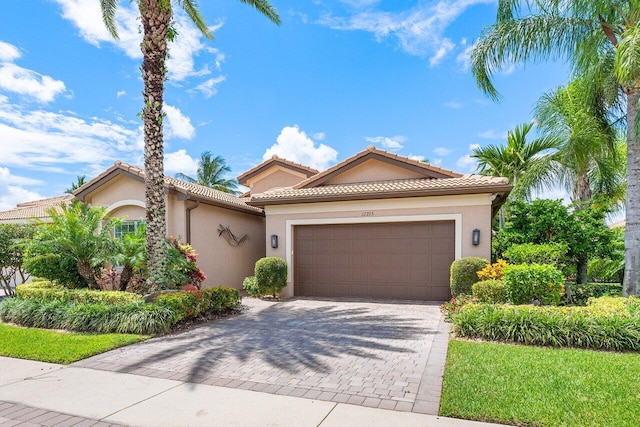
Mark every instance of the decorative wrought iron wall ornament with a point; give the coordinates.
(231, 239)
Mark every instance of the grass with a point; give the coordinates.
(536, 386)
(58, 347)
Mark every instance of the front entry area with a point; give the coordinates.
(403, 260)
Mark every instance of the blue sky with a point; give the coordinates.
(335, 77)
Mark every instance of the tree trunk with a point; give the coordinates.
(581, 194)
(632, 231)
(582, 266)
(125, 276)
(88, 273)
(156, 19)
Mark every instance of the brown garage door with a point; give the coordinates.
(389, 260)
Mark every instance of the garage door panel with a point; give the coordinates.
(393, 260)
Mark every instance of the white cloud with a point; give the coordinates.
(11, 190)
(388, 142)
(208, 87)
(492, 134)
(121, 93)
(8, 52)
(417, 157)
(180, 161)
(295, 145)
(466, 162)
(47, 140)
(16, 79)
(455, 105)
(86, 15)
(177, 125)
(360, 3)
(418, 30)
(442, 151)
(464, 57)
(319, 136)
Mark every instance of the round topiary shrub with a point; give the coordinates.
(271, 275)
(490, 291)
(464, 273)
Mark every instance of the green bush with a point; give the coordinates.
(84, 296)
(490, 291)
(271, 275)
(54, 267)
(133, 318)
(464, 273)
(451, 307)
(250, 284)
(526, 283)
(529, 253)
(582, 293)
(191, 304)
(606, 323)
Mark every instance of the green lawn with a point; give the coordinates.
(58, 347)
(541, 386)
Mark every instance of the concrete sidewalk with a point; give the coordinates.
(44, 394)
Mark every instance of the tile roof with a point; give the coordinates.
(309, 171)
(35, 209)
(188, 189)
(399, 188)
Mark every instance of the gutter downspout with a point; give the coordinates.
(188, 220)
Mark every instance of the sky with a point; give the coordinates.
(335, 77)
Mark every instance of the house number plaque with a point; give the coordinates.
(367, 213)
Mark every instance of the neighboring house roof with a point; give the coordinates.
(275, 161)
(435, 182)
(35, 209)
(184, 189)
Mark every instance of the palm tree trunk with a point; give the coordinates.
(156, 19)
(632, 231)
(582, 194)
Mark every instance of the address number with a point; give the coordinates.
(367, 213)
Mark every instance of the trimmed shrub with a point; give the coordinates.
(529, 253)
(271, 275)
(493, 271)
(582, 293)
(133, 318)
(535, 282)
(490, 291)
(464, 273)
(250, 284)
(85, 296)
(606, 323)
(191, 304)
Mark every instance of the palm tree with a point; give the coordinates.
(80, 181)
(211, 171)
(599, 36)
(520, 160)
(156, 18)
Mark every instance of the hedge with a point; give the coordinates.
(525, 283)
(607, 323)
(190, 304)
(84, 296)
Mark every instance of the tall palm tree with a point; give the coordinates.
(211, 172)
(601, 35)
(156, 18)
(520, 160)
(80, 181)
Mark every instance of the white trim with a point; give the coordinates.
(290, 223)
(121, 203)
(483, 199)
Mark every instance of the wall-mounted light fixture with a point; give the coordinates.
(475, 237)
(274, 241)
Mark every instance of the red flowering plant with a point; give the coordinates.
(183, 271)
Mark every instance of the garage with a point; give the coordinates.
(396, 260)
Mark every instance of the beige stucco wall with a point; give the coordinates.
(128, 213)
(469, 211)
(373, 170)
(117, 190)
(275, 177)
(224, 264)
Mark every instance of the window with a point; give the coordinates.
(126, 227)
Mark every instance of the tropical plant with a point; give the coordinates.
(12, 238)
(156, 17)
(131, 255)
(587, 162)
(517, 160)
(78, 238)
(600, 38)
(211, 172)
(80, 181)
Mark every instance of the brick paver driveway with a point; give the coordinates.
(387, 355)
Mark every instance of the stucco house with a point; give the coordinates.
(375, 225)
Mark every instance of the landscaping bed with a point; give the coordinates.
(535, 386)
